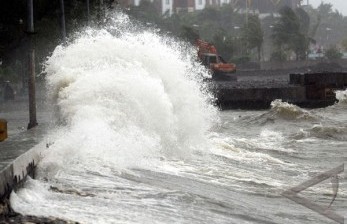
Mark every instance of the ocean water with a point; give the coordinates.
(135, 138)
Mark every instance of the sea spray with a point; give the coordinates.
(124, 98)
(127, 97)
(102, 132)
(341, 96)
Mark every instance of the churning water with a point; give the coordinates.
(136, 139)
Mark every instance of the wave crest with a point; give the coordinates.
(289, 111)
(323, 132)
(341, 96)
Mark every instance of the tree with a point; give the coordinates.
(146, 12)
(290, 33)
(224, 43)
(333, 53)
(189, 34)
(325, 10)
(344, 44)
(325, 22)
(278, 55)
(253, 35)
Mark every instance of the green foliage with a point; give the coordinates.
(210, 13)
(290, 33)
(172, 24)
(224, 43)
(344, 44)
(146, 12)
(212, 24)
(325, 10)
(300, 45)
(278, 55)
(189, 34)
(253, 35)
(304, 20)
(333, 53)
(328, 27)
(287, 26)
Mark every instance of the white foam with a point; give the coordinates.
(341, 96)
(126, 98)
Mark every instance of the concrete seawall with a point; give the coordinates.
(258, 98)
(19, 155)
(309, 90)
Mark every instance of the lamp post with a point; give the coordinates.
(62, 20)
(88, 12)
(239, 48)
(246, 12)
(31, 66)
(328, 30)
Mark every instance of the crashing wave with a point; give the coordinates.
(127, 95)
(341, 96)
(289, 111)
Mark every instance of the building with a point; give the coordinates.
(186, 5)
(256, 6)
(264, 6)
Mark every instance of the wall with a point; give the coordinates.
(271, 65)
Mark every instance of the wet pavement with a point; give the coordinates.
(15, 152)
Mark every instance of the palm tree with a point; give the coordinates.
(290, 33)
(253, 34)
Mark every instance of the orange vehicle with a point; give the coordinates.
(209, 57)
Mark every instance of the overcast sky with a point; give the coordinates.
(340, 5)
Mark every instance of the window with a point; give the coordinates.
(168, 2)
(200, 2)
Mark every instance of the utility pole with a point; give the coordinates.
(102, 10)
(30, 8)
(247, 7)
(88, 12)
(247, 13)
(62, 20)
(31, 66)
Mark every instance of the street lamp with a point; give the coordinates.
(239, 47)
(328, 30)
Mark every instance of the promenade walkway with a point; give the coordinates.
(18, 154)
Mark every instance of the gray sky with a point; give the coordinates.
(340, 5)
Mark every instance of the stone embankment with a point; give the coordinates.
(257, 89)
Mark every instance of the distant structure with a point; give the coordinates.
(254, 6)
